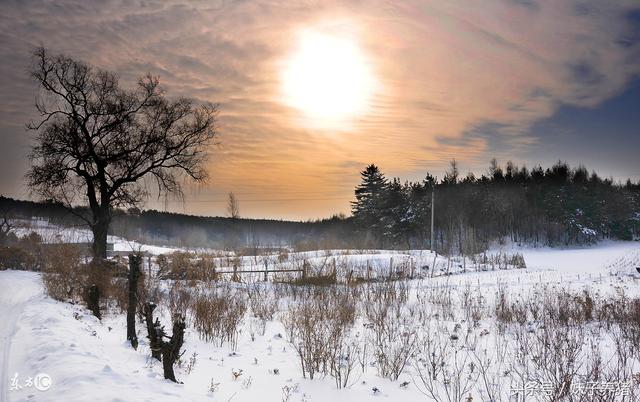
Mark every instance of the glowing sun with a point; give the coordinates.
(328, 79)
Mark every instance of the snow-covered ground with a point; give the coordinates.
(51, 233)
(86, 359)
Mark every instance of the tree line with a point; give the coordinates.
(190, 231)
(559, 205)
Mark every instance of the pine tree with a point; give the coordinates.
(370, 199)
(395, 219)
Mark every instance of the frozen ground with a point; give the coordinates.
(89, 359)
(55, 234)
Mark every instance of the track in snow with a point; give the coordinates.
(14, 296)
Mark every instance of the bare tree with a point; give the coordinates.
(451, 176)
(96, 141)
(233, 206)
(6, 227)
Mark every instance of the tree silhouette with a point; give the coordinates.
(96, 141)
(370, 197)
(233, 206)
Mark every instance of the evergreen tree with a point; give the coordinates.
(558, 205)
(370, 199)
(395, 214)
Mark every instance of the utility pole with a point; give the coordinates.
(433, 200)
(433, 204)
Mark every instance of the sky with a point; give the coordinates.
(311, 92)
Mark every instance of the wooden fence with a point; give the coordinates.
(264, 271)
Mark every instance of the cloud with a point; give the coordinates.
(447, 71)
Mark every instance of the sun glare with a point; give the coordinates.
(328, 79)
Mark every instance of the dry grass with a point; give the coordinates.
(318, 326)
(264, 304)
(218, 314)
(438, 335)
(62, 276)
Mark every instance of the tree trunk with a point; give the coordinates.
(134, 274)
(171, 349)
(100, 229)
(154, 330)
(99, 249)
(94, 301)
(167, 367)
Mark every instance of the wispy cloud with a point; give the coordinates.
(445, 69)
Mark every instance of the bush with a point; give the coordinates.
(319, 327)
(218, 315)
(12, 257)
(25, 253)
(392, 333)
(264, 304)
(62, 277)
(187, 266)
(179, 299)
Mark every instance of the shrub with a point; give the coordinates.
(182, 265)
(179, 299)
(318, 327)
(263, 303)
(394, 338)
(445, 370)
(12, 257)
(63, 277)
(24, 253)
(179, 265)
(218, 315)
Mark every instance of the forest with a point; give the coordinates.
(556, 206)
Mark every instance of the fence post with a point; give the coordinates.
(135, 260)
(390, 267)
(235, 273)
(149, 271)
(412, 265)
(266, 270)
(304, 269)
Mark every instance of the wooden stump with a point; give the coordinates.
(134, 273)
(93, 303)
(155, 331)
(171, 349)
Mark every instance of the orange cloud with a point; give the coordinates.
(443, 69)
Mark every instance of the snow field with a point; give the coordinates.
(454, 314)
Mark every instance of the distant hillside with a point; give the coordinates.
(165, 228)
